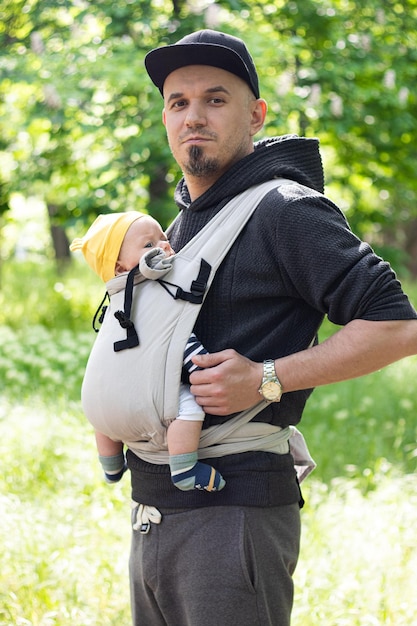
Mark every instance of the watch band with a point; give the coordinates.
(271, 388)
(269, 370)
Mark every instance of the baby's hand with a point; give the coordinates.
(155, 264)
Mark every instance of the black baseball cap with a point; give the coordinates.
(204, 47)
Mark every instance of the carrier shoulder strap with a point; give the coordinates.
(194, 266)
(216, 238)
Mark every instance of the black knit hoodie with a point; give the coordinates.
(294, 262)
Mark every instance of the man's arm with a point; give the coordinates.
(230, 381)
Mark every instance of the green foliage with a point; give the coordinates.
(36, 360)
(80, 120)
(34, 293)
(345, 72)
(85, 114)
(46, 328)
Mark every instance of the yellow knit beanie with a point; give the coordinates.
(102, 242)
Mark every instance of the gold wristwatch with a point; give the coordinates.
(270, 388)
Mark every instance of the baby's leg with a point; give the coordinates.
(111, 457)
(187, 472)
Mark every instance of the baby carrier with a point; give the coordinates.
(130, 390)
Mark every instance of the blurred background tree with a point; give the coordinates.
(80, 121)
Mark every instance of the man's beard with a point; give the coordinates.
(198, 165)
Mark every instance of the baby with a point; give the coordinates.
(113, 245)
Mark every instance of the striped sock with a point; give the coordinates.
(192, 348)
(188, 473)
(114, 467)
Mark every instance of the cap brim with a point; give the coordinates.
(161, 62)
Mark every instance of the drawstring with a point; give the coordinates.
(144, 516)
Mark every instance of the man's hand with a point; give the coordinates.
(228, 383)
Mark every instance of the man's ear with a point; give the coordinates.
(164, 119)
(259, 111)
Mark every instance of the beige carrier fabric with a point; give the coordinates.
(132, 395)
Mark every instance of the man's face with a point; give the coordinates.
(210, 117)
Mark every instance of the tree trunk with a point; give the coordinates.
(59, 238)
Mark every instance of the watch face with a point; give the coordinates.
(271, 391)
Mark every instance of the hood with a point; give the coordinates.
(287, 156)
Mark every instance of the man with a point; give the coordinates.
(230, 559)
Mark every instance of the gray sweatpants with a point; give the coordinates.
(216, 566)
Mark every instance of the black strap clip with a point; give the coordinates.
(198, 286)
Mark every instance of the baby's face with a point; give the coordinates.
(142, 235)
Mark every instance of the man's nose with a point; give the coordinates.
(195, 116)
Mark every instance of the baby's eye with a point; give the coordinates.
(149, 245)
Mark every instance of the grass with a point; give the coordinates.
(64, 533)
(358, 554)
